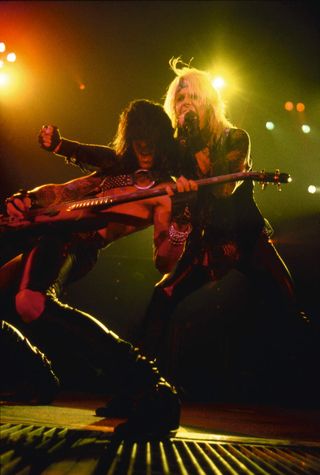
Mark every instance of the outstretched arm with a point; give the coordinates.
(87, 157)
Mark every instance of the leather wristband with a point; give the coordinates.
(68, 149)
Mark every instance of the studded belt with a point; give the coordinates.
(141, 179)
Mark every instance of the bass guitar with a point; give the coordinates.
(94, 212)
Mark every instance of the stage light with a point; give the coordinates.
(11, 57)
(218, 83)
(313, 189)
(289, 106)
(4, 79)
(306, 129)
(82, 87)
(269, 125)
(2, 47)
(300, 107)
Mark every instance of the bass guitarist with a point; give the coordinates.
(142, 155)
(34, 280)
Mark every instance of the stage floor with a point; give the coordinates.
(67, 437)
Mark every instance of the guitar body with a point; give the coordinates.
(112, 222)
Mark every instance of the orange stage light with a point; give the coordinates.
(289, 106)
(300, 107)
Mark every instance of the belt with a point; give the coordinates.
(141, 179)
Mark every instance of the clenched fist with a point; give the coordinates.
(49, 138)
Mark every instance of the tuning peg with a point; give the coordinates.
(279, 186)
(276, 176)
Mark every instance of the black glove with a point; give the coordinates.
(49, 137)
(190, 134)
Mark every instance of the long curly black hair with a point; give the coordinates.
(146, 120)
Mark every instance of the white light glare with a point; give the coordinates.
(269, 125)
(11, 57)
(4, 79)
(313, 189)
(305, 129)
(2, 47)
(218, 83)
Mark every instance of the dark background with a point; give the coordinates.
(269, 54)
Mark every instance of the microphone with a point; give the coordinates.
(190, 128)
(191, 123)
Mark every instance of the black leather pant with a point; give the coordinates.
(250, 310)
(55, 260)
(64, 332)
(50, 264)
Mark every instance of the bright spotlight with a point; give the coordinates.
(2, 47)
(218, 83)
(306, 129)
(269, 125)
(11, 57)
(313, 189)
(4, 79)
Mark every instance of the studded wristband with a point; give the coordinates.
(178, 237)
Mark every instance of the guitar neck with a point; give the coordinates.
(102, 201)
(64, 211)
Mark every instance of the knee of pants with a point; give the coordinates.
(30, 304)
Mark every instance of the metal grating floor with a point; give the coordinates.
(29, 449)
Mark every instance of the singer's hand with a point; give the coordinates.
(182, 185)
(18, 205)
(189, 133)
(187, 116)
(49, 138)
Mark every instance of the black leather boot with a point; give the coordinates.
(149, 402)
(154, 404)
(155, 414)
(27, 375)
(124, 403)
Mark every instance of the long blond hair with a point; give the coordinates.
(199, 83)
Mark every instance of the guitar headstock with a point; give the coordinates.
(275, 178)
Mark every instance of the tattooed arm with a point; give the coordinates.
(51, 194)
